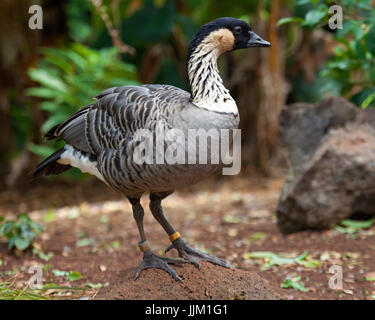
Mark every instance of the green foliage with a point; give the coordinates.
(8, 291)
(21, 120)
(78, 20)
(353, 226)
(294, 284)
(272, 259)
(21, 232)
(351, 70)
(69, 275)
(42, 255)
(140, 28)
(70, 77)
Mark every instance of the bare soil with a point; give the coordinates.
(90, 229)
(208, 282)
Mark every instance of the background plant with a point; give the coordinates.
(351, 69)
(70, 77)
(20, 232)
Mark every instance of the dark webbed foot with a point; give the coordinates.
(192, 255)
(151, 260)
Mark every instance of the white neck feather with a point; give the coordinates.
(207, 88)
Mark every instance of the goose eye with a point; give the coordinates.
(237, 30)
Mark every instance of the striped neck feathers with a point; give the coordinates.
(207, 88)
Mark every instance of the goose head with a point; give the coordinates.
(226, 34)
(212, 39)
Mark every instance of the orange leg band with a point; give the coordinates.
(144, 246)
(174, 236)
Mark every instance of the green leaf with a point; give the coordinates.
(289, 20)
(231, 219)
(345, 230)
(368, 101)
(48, 106)
(115, 244)
(47, 79)
(46, 267)
(310, 263)
(85, 242)
(50, 286)
(74, 276)
(96, 285)
(11, 242)
(352, 226)
(42, 255)
(79, 62)
(21, 244)
(358, 31)
(6, 227)
(358, 224)
(294, 283)
(314, 16)
(43, 151)
(36, 227)
(273, 259)
(59, 273)
(303, 2)
(49, 216)
(41, 92)
(257, 236)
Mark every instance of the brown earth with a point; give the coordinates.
(90, 229)
(210, 282)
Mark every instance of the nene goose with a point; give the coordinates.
(100, 137)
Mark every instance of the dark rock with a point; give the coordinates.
(303, 126)
(337, 182)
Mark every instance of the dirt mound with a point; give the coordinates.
(210, 282)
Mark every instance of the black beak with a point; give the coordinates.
(256, 41)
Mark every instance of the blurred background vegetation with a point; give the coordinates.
(87, 46)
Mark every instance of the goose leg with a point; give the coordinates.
(150, 260)
(184, 250)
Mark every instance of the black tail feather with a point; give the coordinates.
(55, 131)
(50, 166)
(51, 133)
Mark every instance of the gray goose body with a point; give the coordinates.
(101, 138)
(106, 130)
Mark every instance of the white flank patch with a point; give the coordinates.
(80, 161)
(229, 106)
